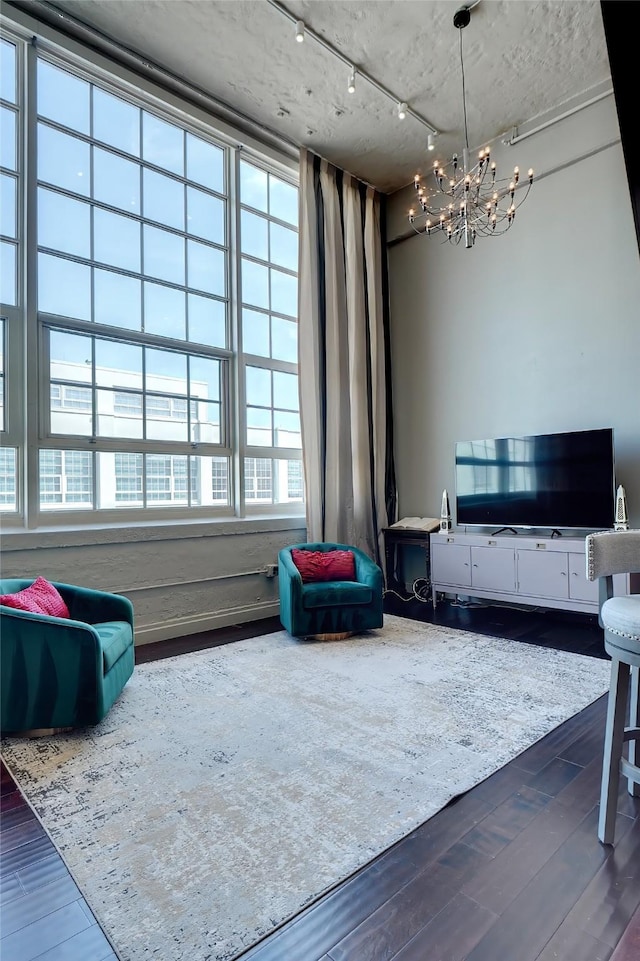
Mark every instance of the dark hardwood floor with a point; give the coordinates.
(510, 871)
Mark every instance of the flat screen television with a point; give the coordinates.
(564, 480)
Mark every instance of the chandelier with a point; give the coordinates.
(468, 200)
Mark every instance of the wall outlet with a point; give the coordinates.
(271, 570)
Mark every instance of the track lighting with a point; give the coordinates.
(300, 31)
(431, 142)
(352, 81)
(402, 110)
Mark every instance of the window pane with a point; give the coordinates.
(284, 293)
(206, 267)
(258, 386)
(7, 138)
(204, 378)
(164, 311)
(119, 414)
(71, 410)
(8, 67)
(119, 480)
(254, 235)
(284, 246)
(71, 357)
(255, 333)
(66, 480)
(64, 224)
(165, 371)
(258, 480)
(207, 321)
(205, 215)
(163, 199)
(8, 286)
(8, 205)
(64, 287)
(283, 200)
(205, 423)
(166, 420)
(116, 240)
(118, 365)
(116, 122)
(259, 427)
(116, 181)
(63, 160)
(205, 163)
(8, 479)
(162, 144)
(255, 284)
(116, 300)
(166, 479)
(163, 255)
(286, 429)
(285, 391)
(284, 340)
(62, 97)
(253, 187)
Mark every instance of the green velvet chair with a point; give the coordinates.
(58, 672)
(328, 609)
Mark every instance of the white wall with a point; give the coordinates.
(533, 332)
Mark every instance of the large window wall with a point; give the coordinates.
(150, 311)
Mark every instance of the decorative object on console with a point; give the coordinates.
(470, 200)
(622, 519)
(445, 513)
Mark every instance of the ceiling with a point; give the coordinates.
(523, 59)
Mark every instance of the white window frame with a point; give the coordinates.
(31, 422)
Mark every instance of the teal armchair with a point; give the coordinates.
(58, 672)
(329, 607)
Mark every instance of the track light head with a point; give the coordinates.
(402, 110)
(352, 81)
(431, 141)
(300, 31)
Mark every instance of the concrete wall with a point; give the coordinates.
(533, 332)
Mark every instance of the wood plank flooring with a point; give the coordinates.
(510, 871)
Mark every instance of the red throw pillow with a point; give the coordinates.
(324, 565)
(41, 597)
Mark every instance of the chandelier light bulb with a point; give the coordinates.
(300, 31)
(402, 110)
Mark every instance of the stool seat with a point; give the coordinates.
(621, 615)
(609, 553)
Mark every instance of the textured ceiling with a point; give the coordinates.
(522, 59)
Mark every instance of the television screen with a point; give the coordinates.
(564, 480)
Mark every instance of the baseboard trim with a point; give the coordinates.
(207, 621)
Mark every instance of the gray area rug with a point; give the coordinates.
(229, 788)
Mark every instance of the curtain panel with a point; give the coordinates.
(344, 358)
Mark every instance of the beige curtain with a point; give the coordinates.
(343, 359)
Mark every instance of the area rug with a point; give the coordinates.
(229, 788)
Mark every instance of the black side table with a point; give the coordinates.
(395, 539)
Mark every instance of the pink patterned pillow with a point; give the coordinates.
(41, 597)
(324, 565)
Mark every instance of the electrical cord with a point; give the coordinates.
(420, 591)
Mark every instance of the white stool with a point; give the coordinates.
(609, 553)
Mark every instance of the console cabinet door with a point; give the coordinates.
(581, 589)
(493, 569)
(543, 573)
(451, 564)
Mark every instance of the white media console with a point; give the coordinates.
(538, 571)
